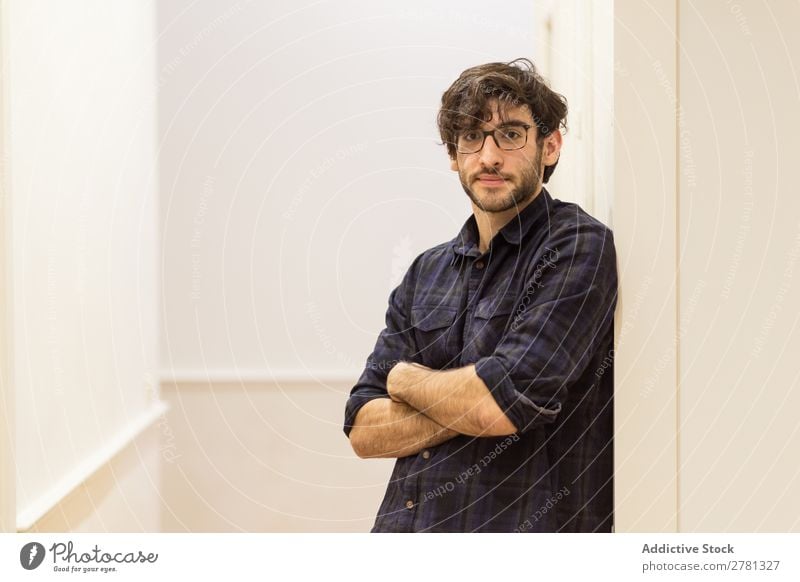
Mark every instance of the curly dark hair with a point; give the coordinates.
(465, 105)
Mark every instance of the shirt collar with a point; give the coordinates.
(466, 242)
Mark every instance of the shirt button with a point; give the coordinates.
(409, 504)
(479, 265)
(426, 454)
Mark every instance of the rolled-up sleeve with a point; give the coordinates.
(395, 344)
(566, 309)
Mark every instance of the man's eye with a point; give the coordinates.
(471, 136)
(512, 134)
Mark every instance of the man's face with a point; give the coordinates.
(498, 180)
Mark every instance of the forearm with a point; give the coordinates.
(385, 428)
(457, 399)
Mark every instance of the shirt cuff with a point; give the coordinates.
(354, 404)
(520, 409)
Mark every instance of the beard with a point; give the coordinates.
(514, 197)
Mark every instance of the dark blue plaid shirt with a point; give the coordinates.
(535, 315)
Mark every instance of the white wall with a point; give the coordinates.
(82, 144)
(301, 172)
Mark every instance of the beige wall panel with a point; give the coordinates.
(645, 231)
(740, 266)
(265, 458)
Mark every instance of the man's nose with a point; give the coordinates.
(491, 155)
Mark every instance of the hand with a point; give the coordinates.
(395, 381)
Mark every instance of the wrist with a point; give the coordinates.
(395, 383)
(402, 378)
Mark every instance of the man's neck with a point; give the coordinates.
(490, 223)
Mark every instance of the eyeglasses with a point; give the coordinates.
(509, 137)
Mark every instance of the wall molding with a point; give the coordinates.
(29, 515)
(258, 376)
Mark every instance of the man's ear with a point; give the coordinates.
(552, 148)
(454, 164)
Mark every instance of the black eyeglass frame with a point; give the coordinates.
(488, 133)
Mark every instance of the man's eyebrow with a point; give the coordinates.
(512, 122)
(503, 123)
(507, 122)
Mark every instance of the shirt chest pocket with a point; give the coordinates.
(435, 336)
(489, 322)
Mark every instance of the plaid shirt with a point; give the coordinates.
(535, 315)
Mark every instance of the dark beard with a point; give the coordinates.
(517, 196)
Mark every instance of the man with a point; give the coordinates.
(492, 382)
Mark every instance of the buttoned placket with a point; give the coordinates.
(475, 283)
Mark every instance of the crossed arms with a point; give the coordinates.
(529, 371)
(425, 408)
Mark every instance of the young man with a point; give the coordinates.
(492, 381)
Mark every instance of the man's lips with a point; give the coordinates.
(491, 179)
